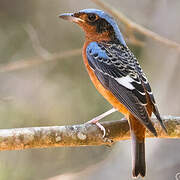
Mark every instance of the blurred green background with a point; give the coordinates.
(60, 92)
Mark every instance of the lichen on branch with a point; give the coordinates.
(78, 135)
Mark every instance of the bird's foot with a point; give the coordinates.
(95, 121)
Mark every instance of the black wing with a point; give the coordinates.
(119, 72)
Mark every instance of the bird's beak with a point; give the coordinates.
(71, 17)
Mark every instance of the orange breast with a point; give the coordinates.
(107, 94)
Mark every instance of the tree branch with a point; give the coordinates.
(44, 55)
(78, 135)
(136, 27)
(35, 42)
(27, 63)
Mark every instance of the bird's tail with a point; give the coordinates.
(138, 156)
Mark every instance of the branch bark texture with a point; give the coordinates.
(78, 135)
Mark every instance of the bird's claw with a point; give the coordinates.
(99, 126)
(102, 128)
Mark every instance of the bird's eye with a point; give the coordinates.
(92, 17)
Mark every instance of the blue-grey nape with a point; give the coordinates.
(110, 20)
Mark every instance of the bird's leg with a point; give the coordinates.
(96, 119)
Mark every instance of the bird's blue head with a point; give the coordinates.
(97, 24)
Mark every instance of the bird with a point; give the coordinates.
(118, 76)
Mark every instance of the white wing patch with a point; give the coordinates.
(126, 82)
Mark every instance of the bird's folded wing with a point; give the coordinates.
(115, 67)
